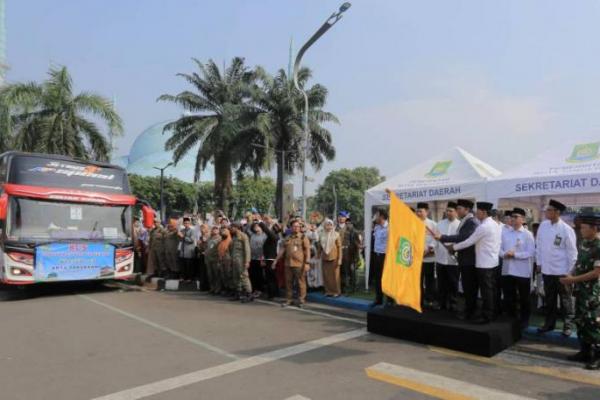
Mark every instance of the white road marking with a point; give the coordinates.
(170, 331)
(176, 382)
(297, 397)
(446, 388)
(322, 314)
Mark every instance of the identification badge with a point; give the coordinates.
(557, 240)
(295, 249)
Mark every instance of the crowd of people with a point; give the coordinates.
(474, 249)
(253, 257)
(496, 256)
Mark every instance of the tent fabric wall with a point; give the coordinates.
(450, 175)
(569, 173)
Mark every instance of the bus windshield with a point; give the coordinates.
(43, 221)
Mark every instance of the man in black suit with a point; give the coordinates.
(465, 257)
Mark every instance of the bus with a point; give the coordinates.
(64, 219)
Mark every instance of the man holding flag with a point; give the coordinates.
(380, 235)
(486, 239)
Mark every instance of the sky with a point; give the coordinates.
(502, 79)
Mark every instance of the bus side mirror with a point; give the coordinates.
(3, 206)
(148, 215)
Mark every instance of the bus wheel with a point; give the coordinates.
(12, 293)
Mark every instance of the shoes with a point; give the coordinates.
(593, 365)
(300, 305)
(247, 298)
(581, 356)
(286, 304)
(545, 329)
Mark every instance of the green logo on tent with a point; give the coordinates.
(404, 253)
(439, 168)
(584, 152)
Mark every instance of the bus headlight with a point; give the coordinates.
(19, 271)
(125, 268)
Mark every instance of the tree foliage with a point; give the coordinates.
(350, 186)
(214, 121)
(179, 196)
(277, 124)
(48, 117)
(256, 193)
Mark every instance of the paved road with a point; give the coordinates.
(81, 342)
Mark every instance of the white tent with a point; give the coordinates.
(451, 175)
(569, 173)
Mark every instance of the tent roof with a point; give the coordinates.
(448, 170)
(569, 168)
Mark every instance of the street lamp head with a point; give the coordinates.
(345, 7)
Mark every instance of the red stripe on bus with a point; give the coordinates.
(68, 195)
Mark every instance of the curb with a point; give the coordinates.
(530, 333)
(554, 337)
(342, 301)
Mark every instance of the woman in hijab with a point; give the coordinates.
(330, 251)
(225, 261)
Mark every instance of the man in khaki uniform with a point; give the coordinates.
(296, 256)
(157, 263)
(240, 262)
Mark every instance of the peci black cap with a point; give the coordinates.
(518, 211)
(484, 205)
(423, 206)
(590, 218)
(451, 204)
(464, 203)
(557, 204)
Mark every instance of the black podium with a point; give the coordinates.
(443, 329)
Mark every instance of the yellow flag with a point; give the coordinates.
(406, 243)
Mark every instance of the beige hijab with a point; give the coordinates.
(328, 239)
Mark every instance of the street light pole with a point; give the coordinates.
(162, 198)
(332, 20)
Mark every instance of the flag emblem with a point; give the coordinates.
(439, 168)
(584, 152)
(404, 254)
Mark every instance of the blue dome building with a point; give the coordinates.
(148, 151)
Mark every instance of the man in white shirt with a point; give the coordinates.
(556, 254)
(517, 251)
(486, 239)
(446, 265)
(428, 266)
(380, 239)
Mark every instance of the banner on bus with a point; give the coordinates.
(74, 261)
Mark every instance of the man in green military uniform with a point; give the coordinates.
(585, 277)
(156, 245)
(172, 241)
(240, 262)
(350, 240)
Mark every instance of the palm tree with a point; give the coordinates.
(49, 118)
(278, 124)
(214, 121)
